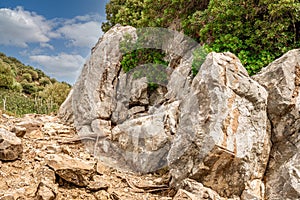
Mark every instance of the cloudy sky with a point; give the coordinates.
(53, 35)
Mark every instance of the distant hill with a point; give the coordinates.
(24, 89)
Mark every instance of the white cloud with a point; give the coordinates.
(46, 45)
(19, 27)
(84, 18)
(36, 34)
(63, 66)
(81, 34)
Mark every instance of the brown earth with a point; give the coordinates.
(34, 176)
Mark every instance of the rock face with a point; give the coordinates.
(133, 125)
(222, 138)
(216, 128)
(282, 81)
(10, 146)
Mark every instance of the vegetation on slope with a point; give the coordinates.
(257, 31)
(24, 89)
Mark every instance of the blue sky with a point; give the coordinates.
(53, 35)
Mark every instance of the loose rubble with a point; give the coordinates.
(43, 165)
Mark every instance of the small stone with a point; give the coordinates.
(19, 131)
(10, 146)
(102, 195)
(76, 171)
(7, 197)
(95, 186)
(45, 193)
(101, 168)
(98, 183)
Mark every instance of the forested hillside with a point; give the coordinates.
(24, 89)
(257, 31)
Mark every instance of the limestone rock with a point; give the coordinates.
(192, 190)
(131, 124)
(98, 183)
(99, 74)
(214, 128)
(46, 188)
(30, 123)
(75, 171)
(45, 193)
(10, 146)
(131, 93)
(222, 139)
(142, 143)
(65, 111)
(282, 81)
(19, 131)
(7, 197)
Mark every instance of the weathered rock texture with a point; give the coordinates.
(10, 146)
(222, 138)
(282, 81)
(215, 128)
(52, 167)
(75, 171)
(107, 102)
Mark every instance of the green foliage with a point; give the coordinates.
(256, 31)
(27, 77)
(199, 55)
(28, 90)
(6, 75)
(56, 92)
(147, 62)
(44, 81)
(17, 87)
(150, 13)
(20, 104)
(142, 56)
(34, 75)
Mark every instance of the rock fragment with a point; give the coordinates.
(10, 146)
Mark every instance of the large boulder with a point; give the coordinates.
(132, 124)
(94, 92)
(214, 128)
(223, 139)
(282, 81)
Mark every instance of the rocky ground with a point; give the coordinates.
(46, 161)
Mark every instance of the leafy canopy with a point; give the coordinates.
(257, 31)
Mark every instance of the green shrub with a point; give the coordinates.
(199, 56)
(27, 77)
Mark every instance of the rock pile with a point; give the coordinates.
(223, 130)
(49, 162)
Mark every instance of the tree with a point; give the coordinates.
(28, 88)
(44, 81)
(256, 31)
(6, 75)
(151, 13)
(56, 92)
(34, 74)
(27, 77)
